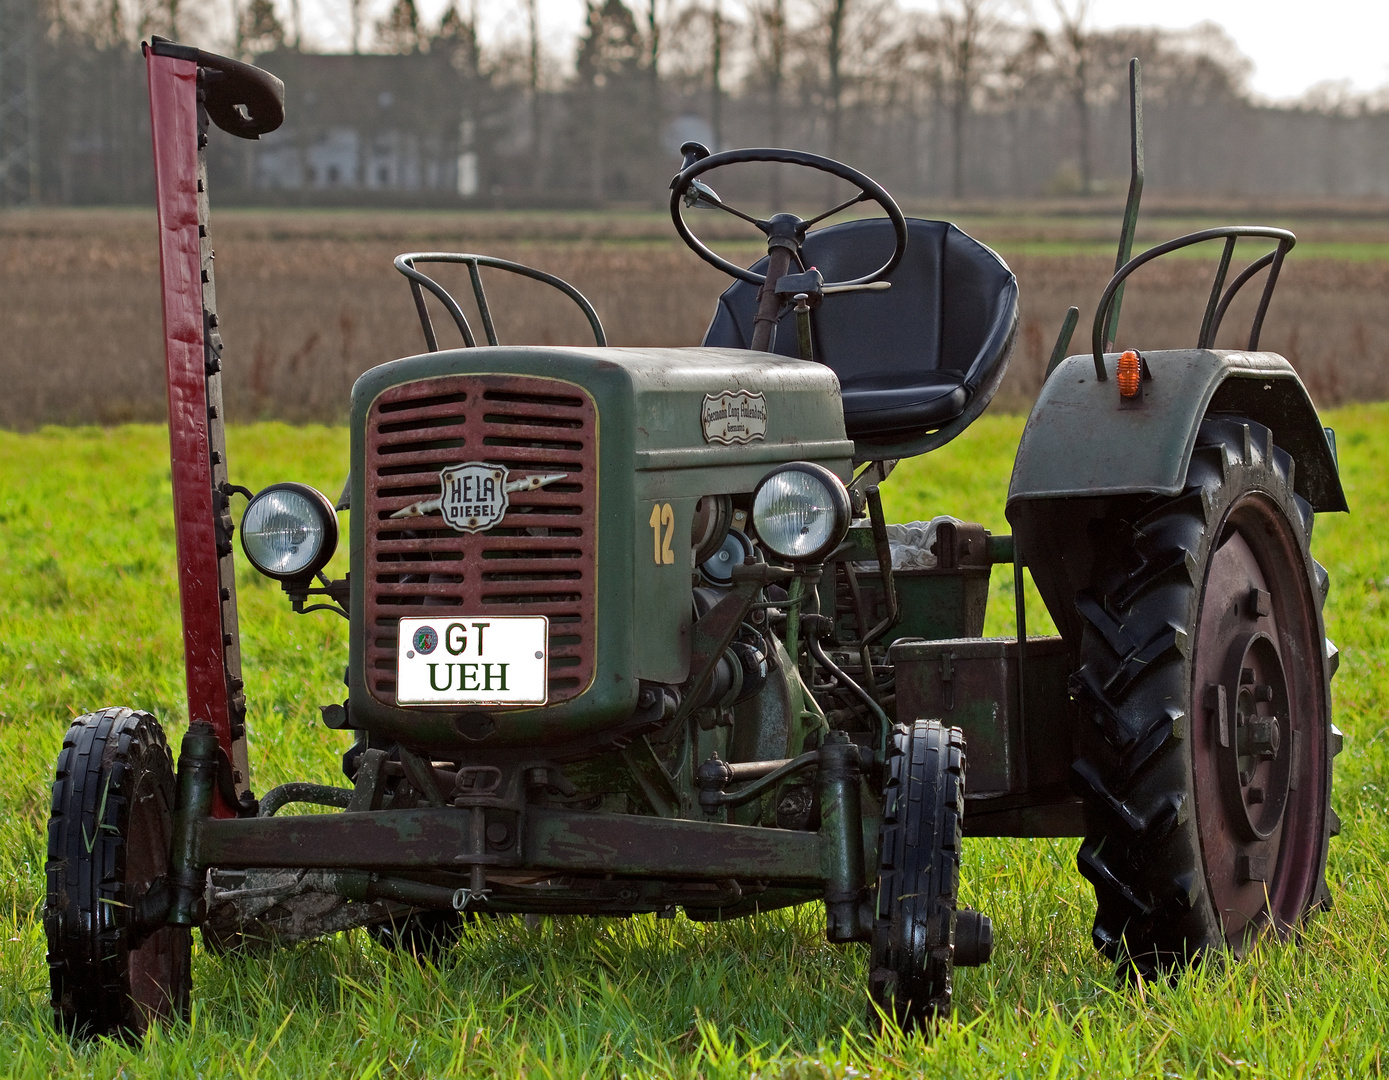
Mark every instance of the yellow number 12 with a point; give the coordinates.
(662, 514)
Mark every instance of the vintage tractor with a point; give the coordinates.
(629, 632)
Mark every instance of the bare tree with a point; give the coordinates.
(769, 38)
(356, 17)
(769, 45)
(610, 88)
(533, 89)
(836, 12)
(848, 51)
(1074, 48)
(653, 43)
(101, 22)
(399, 31)
(716, 58)
(653, 62)
(696, 61)
(258, 29)
(966, 31)
(165, 17)
(1024, 83)
(457, 37)
(898, 73)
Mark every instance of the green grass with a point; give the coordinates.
(88, 617)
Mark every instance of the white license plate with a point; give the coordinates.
(488, 660)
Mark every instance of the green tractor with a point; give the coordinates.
(630, 634)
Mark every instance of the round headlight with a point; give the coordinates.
(801, 511)
(289, 531)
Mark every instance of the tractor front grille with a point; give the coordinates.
(539, 560)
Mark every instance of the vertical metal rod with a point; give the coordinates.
(884, 552)
(1206, 338)
(1020, 617)
(1244, 276)
(1257, 328)
(768, 304)
(793, 618)
(425, 321)
(804, 340)
(841, 831)
(870, 681)
(1063, 340)
(1130, 226)
(477, 878)
(198, 760)
(481, 297)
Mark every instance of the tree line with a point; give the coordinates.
(962, 99)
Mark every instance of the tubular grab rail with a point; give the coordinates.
(419, 281)
(1220, 296)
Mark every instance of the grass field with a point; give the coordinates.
(88, 617)
(308, 299)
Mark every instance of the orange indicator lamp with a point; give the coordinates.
(1130, 374)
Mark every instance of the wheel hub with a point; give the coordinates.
(1255, 762)
(1257, 750)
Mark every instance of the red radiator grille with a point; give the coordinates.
(539, 560)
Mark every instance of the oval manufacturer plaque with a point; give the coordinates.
(734, 416)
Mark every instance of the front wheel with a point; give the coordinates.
(114, 965)
(911, 956)
(1205, 746)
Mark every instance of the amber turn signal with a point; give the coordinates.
(1130, 374)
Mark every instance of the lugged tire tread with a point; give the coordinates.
(918, 881)
(84, 914)
(1129, 768)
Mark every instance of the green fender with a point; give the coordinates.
(1085, 445)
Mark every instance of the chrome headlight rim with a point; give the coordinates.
(327, 515)
(837, 498)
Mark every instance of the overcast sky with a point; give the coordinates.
(1294, 44)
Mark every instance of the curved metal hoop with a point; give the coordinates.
(420, 281)
(1219, 301)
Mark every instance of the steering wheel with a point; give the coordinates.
(781, 230)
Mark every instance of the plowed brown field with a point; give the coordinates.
(309, 301)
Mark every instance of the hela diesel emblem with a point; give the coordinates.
(734, 416)
(475, 495)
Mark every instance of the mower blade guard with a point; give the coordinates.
(185, 84)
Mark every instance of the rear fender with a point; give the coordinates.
(1084, 447)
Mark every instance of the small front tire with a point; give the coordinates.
(114, 965)
(911, 958)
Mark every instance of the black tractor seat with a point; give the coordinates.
(924, 355)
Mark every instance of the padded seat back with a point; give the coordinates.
(914, 358)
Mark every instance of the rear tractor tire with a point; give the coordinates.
(114, 965)
(1204, 748)
(911, 955)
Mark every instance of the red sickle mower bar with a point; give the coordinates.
(188, 89)
(629, 631)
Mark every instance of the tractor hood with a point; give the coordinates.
(619, 445)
